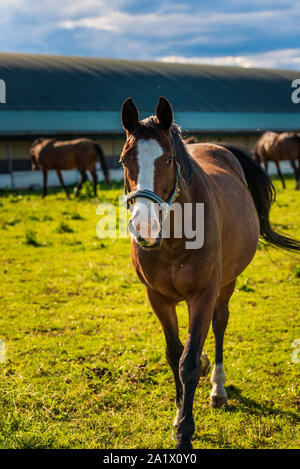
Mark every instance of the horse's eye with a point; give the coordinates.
(169, 161)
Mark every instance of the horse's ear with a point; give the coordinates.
(164, 113)
(130, 115)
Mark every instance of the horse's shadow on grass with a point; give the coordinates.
(247, 406)
(250, 406)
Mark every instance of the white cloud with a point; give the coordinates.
(283, 58)
(174, 22)
(165, 29)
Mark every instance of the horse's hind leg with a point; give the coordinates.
(82, 180)
(296, 169)
(218, 396)
(280, 174)
(94, 179)
(166, 313)
(62, 182)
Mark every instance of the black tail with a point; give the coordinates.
(103, 164)
(263, 194)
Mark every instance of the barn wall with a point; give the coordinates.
(23, 177)
(112, 148)
(244, 141)
(3, 158)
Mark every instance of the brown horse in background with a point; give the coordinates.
(237, 195)
(191, 139)
(80, 153)
(279, 147)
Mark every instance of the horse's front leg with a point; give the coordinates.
(201, 306)
(165, 310)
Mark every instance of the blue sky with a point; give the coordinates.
(258, 33)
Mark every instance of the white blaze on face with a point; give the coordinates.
(144, 217)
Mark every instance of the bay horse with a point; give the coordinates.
(80, 153)
(276, 147)
(159, 169)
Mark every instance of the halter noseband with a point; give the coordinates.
(130, 197)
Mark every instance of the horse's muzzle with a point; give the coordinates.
(146, 244)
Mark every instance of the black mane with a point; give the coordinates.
(182, 154)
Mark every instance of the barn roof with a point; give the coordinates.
(88, 92)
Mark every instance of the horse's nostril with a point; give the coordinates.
(138, 227)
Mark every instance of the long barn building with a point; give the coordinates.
(67, 97)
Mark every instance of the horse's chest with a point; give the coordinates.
(170, 280)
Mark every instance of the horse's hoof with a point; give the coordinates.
(216, 402)
(205, 365)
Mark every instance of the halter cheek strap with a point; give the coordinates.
(130, 197)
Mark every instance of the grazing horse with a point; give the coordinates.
(279, 147)
(81, 154)
(159, 169)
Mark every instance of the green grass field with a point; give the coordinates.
(85, 364)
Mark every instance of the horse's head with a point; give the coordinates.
(35, 150)
(150, 171)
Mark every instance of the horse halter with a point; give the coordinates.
(130, 197)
